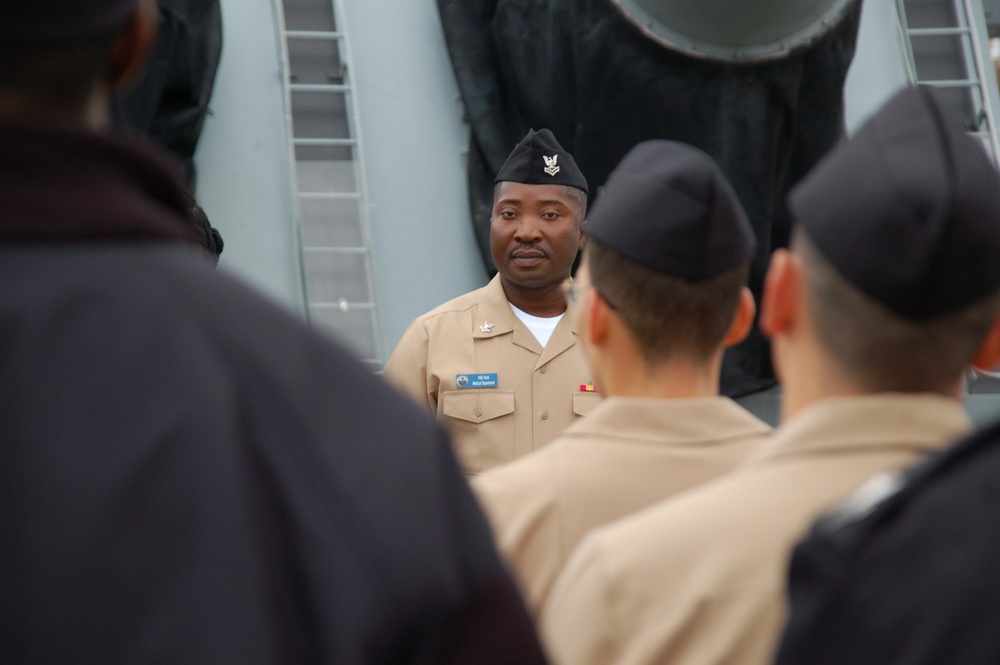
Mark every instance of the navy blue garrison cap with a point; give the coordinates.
(668, 206)
(46, 22)
(908, 210)
(539, 160)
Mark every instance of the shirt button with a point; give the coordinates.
(544, 369)
(545, 415)
(479, 412)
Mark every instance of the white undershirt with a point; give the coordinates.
(540, 327)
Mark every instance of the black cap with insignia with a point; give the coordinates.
(668, 206)
(907, 210)
(539, 160)
(45, 22)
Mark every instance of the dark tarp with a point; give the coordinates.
(169, 102)
(581, 69)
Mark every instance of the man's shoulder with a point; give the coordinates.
(213, 324)
(302, 390)
(448, 319)
(507, 485)
(458, 305)
(674, 421)
(712, 526)
(183, 334)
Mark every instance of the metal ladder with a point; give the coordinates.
(947, 47)
(333, 232)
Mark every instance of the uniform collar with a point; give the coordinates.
(921, 422)
(688, 422)
(494, 317)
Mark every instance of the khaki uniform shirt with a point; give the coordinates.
(538, 391)
(700, 579)
(628, 454)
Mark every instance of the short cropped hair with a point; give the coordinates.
(668, 316)
(574, 193)
(60, 78)
(879, 349)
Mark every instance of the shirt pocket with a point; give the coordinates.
(584, 403)
(482, 426)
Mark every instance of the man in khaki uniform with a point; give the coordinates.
(661, 293)
(890, 290)
(501, 366)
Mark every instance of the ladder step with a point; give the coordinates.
(313, 34)
(937, 32)
(967, 33)
(321, 249)
(330, 196)
(319, 87)
(950, 83)
(343, 306)
(325, 313)
(319, 143)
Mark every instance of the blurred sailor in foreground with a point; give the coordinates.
(905, 571)
(660, 294)
(501, 366)
(187, 473)
(889, 291)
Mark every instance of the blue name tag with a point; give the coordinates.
(477, 380)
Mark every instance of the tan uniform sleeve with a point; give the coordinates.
(407, 367)
(576, 623)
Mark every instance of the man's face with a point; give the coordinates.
(535, 233)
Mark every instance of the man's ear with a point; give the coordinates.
(598, 318)
(132, 46)
(583, 236)
(988, 356)
(742, 319)
(782, 292)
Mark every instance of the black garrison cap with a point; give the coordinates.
(908, 210)
(667, 206)
(44, 22)
(539, 160)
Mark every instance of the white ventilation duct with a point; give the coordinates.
(735, 30)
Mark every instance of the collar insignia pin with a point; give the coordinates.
(486, 327)
(550, 165)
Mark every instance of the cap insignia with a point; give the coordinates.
(550, 164)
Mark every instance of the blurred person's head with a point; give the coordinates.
(661, 290)
(61, 59)
(892, 279)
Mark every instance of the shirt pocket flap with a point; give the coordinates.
(478, 407)
(584, 403)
